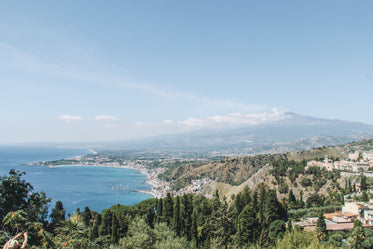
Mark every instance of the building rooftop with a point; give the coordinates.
(348, 214)
(340, 226)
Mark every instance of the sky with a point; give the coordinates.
(78, 71)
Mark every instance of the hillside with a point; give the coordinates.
(279, 171)
(233, 170)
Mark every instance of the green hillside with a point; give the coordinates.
(284, 171)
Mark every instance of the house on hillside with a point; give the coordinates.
(345, 165)
(362, 166)
(362, 211)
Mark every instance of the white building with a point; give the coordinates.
(353, 207)
(345, 165)
(367, 156)
(363, 210)
(354, 156)
(367, 217)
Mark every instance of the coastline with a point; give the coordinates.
(159, 187)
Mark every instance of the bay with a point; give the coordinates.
(77, 187)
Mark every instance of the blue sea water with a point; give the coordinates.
(77, 187)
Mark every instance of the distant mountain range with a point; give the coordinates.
(292, 132)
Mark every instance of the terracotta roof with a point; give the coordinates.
(330, 215)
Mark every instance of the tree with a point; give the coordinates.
(273, 210)
(94, 232)
(357, 236)
(159, 207)
(164, 237)
(283, 188)
(194, 231)
(255, 204)
(261, 202)
(150, 216)
(365, 197)
(17, 221)
(216, 201)
(239, 203)
(58, 215)
(306, 182)
(246, 196)
(159, 210)
(291, 200)
(368, 242)
(300, 239)
(114, 229)
(186, 215)
(176, 219)
(301, 203)
(276, 229)
(290, 225)
(321, 227)
(168, 208)
(314, 200)
(222, 225)
(248, 226)
(140, 235)
(17, 194)
(87, 216)
(105, 228)
(363, 182)
(349, 186)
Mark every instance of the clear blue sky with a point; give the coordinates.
(103, 70)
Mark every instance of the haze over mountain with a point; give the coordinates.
(288, 131)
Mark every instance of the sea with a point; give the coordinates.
(77, 187)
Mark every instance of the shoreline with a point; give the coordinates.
(158, 188)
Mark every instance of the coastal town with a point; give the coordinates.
(356, 163)
(159, 189)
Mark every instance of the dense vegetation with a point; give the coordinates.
(255, 219)
(236, 170)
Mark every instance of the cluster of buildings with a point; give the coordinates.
(342, 220)
(159, 189)
(194, 187)
(365, 155)
(357, 162)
